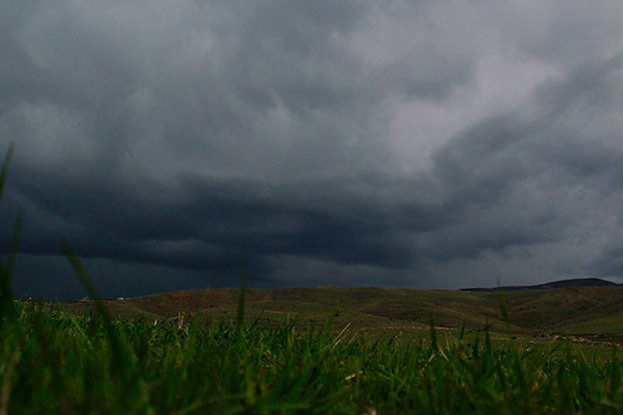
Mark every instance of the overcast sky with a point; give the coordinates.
(423, 144)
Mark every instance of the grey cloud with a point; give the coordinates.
(577, 30)
(590, 87)
(609, 263)
(195, 136)
(230, 218)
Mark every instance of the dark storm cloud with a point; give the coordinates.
(211, 219)
(494, 169)
(192, 137)
(609, 263)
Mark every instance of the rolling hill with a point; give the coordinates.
(572, 310)
(577, 282)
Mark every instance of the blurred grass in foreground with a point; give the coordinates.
(53, 361)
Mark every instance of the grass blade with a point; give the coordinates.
(6, 290)
(120, 361)
(242, 299)
(5, 167)
(17, 233)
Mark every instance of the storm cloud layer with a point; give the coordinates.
(419, 144)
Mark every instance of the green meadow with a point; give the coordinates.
(56, 361)
(310, 351)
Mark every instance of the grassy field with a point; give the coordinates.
(592, 314)
(53, 361)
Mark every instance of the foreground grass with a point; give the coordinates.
(52, 361)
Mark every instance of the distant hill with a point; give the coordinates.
(572, 309)
(573, 283)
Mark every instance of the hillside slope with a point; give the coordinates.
(583, 310)
(572, 283)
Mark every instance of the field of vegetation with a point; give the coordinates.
(586, 314)
(323, 350)
(55, 361)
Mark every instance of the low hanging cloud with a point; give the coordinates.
(425, 144)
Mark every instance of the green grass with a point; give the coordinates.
(610, 324)
(52, 361)
(123, 357)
